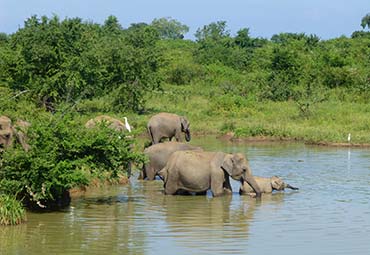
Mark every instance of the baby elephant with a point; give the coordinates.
(267, 185)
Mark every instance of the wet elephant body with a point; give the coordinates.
(193, 171)
(158, 155)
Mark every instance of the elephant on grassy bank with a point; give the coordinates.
(9, 132)
(168, 125)
(267, 185)
(112, 123)
(158, 155)
(198, 171)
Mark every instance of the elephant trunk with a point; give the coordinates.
(187, 135)
(252, 182)
(291, 187)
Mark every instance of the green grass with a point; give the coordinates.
(11, 211)
(213, 113)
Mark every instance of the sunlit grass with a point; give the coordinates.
(329, 121)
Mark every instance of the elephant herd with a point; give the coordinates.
(187, 169)
(184, 168)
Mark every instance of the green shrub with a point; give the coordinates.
(63, 154)
(11, 210)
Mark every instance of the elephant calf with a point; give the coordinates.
(158, 155)
(267, 185)
(199, 171)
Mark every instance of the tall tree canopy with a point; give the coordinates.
(169, 28)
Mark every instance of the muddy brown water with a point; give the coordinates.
(330, 214)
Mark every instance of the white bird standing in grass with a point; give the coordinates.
(349, 137)
(127, 125)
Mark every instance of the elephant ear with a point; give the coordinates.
(184, 123)
(228, 164)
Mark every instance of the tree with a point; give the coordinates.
(366, 21)
(215, 31)
(169, 28)
(111, 25)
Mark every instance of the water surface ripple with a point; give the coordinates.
(330, 214)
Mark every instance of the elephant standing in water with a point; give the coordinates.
(158, 155)
(194, 171)
(8, 131)
(168, 125)
(267, 185)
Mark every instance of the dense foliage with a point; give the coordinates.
(58, 73)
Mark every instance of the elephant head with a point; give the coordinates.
(278, 184)
(6, 132)
(185, 128)
(237, 166)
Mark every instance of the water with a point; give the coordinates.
(330, 214)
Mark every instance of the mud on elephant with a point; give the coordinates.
(193, 171)
(168, 125)
(267, 185)
(158, 155)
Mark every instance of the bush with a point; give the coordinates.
(11, 210)
(63, 154)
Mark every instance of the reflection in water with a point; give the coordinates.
(330, 214)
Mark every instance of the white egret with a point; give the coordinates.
(127, 125)
(349, 137)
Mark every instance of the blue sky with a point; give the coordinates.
(325, 18)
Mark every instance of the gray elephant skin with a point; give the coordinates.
(197, 172)
(111, 122)
(168, 125)
(266, 184)
(10, 132)
(158, 155)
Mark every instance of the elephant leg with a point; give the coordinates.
(170, 189)
(227, 186)
(217, 188)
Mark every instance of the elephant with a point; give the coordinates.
(112, 123)
(168, 125)
(158, 155)
(198, 171)
(8, 132)
(267, 185)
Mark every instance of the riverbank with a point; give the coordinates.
(328, 124)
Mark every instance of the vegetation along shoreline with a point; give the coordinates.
(56, 74)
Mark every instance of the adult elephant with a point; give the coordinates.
(194, 171)
(168, 125)
(158, 155)
(266, 184)
(112, 123)
(9, 132)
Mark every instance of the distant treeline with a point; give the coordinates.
(53, 62)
